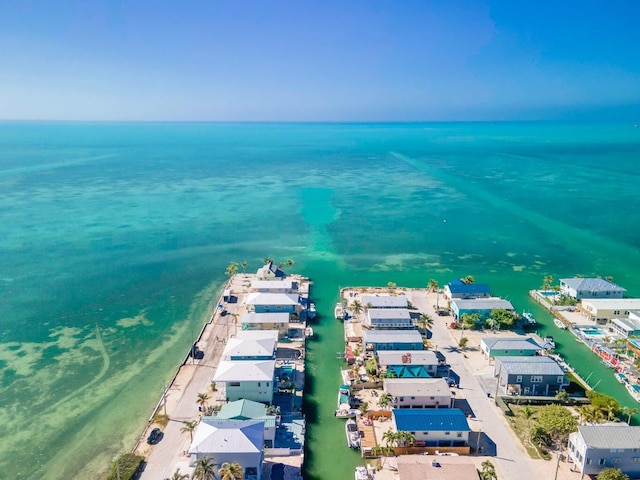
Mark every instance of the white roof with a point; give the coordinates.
(258, 334)
(276, 317)
(592, 284)
(613, 303)
(284, 284)
(510, 343)
(228, 436)
(418, 387)
(239, 347)
(388, 336)
(384, 301)
(389, 314)
(482, 303)
(628, 324)
(245, 371)
(267, 298)
(407, 357)
(616, 435)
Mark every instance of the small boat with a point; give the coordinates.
(338, 312)
(346, 412)
(311, 312)
(353, 434)
(308, 332)
(621, 377)
(362, 473)
(344, 396)
(529, 318)
(549, 343)
(559, 324)
(634, 391)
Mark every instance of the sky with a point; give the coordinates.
(328, 60)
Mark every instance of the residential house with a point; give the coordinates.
(494, 347)
(409, 364)
(251, 345)
(481, 306)
(266, 321)
(260, 302)
(384, 301)
(388, 319)
(579, 288)
(441, 427)
(418, 392)
(602, 310)
(414, 467)
(596, 447)
(250, 410)
(240, 441)
(535, 376)
(627, 327)
(270, 271)
(459, 289)
(286, 285)
(392, 340)
(248, 379)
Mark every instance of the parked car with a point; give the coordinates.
(155, 436)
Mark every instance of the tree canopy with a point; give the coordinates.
(554, 424)
(612, 474)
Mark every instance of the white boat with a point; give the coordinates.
(344, 396)
(559, 324)
(621, 377)
(311, 312)
(529, 318)
(353, 434)
(308, 332)
(338, 312)
(634, 391)
(549, 343)
(362, 473)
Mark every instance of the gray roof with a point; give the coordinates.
(259, 334)
(388, 336)
(228, 436)
(252, 317)
(531, 366)
(482, 303)
(615, 435)
(284, 284)
(512, 343)
(628, 324)
(419, 387)
(407, 357)
(389, 314)
(592, 285)
(238, 347)
(245, 371)
(384, 301)
(266, 298)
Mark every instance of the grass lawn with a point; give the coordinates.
(520, 426)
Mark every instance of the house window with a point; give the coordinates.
(635, 459)
(616, 312)
(602, 461)
(519, 379)
(432, 398)
(521, 352)
(560, 379)
(234, 384)
(413, 433)
(459, 435)
(259, 384)
(267, 384)
(588, 461)
(402, 399)
(536, 378)
(413, 398)
(447, 433)
(616, 460)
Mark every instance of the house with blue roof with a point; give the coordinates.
(392, 340)
(446, 427)
(408, 364)
(459, 289)
(494, 347)
(535, 376)
(579, 288)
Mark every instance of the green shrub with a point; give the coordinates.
(125, 467)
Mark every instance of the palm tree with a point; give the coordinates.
(488, 471)
(628, 412)
(462, 343)
(205, 469)
(385, 399)
(609, 409)
(547, 282)
(244, 266)
(425, 321)
(433, 286)
(267, 260)
(232, 269)
(202, 400)
(178, 476)
(468, 280)
(406, 437)
(230, 471)
(189, 426)
(528, 413)
(289, 262)
(357, 307)
(391, 438)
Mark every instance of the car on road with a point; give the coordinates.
(155, 436)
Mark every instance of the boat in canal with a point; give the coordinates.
(338, 312)
(362, 473)
(353, 434)
(528, 317)
(559, 324)
(634, 390)
(311, 312)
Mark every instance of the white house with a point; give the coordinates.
(240, 441)
(494, 347)
(286, 285)
(441, 427)
(388, 318)
(590, 288)
(249, 379)
(627, 327)
(409, 363)
(270, 271)
(418, 392)
(595, 447)
(384, 301)
(604, 309)
(249, 410)
(266, 321)
(251, 345)
(264, 302)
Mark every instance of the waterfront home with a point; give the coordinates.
(535, 376)
(248, 379)
(261, 302)
(392, 340)
(418, 392)
(481, 306)
(250, 410)
(442, 427)
(240, 441)
(627, 327)
(595, 447)
(388, 319)
(286, 285)
(408, 364)
(579, 288)
(384, 301)
(255, 345)
(494, 347)
(412, 467)
(459, 289)
(602, 310)
(279, 322)
(270, 271)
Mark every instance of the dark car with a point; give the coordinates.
(155, 436)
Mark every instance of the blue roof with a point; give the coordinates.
(459, 287)
(430, 420)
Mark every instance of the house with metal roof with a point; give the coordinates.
(419, 467)
(250, 410)
(257, 345)
(388, 319)
(627, 327)
(481, 306)
(265, 302)
(286, 285)
(392, 340)
(614, 445)
(535, 376)
(494, 347)
(384, 301)
(270, 271)
(278, 322)
(459, 289)
(240, 441)
(602, 310)
(579, 288)
(249, 379)
(441, 427)
(418, 392)
(408, 364)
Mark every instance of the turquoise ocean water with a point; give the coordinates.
(115, 239)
